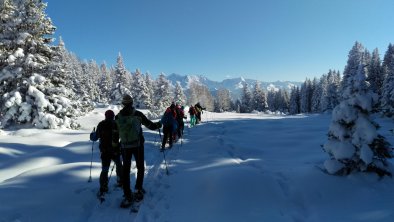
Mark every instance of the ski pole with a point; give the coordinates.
(112, 170)
(91, 160)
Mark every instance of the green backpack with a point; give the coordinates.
(129, 130)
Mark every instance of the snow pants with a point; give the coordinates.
(167, 131)
(192, 120)
(105, 165)
(127, 155)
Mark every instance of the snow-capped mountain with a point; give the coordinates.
(234, 85)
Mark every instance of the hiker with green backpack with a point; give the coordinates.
(129, 123)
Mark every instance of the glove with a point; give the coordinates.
(93, 136)
(159, 125)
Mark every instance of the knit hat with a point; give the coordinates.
(109, 114)
(127, 100)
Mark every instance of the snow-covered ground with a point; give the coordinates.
(232, 167)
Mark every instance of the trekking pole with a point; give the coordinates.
(164, 155)
(91, 160)
(112, 170)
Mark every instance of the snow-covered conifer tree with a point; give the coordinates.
(333, 87)
(375, 73)
(150, 91)
(163, 93)
(31, 75)
(316, 96)
(324, 100)
(259, 101)
(139, 90)
(121, 83)
(387, 99)
(246, 106)
(105, 83)
(179, 95)
(306, 96)
(353, 141)
(294, 102)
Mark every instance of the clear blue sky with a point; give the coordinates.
(267, 40)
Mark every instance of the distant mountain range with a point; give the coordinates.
(234, 85)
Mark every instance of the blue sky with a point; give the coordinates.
(267, 40)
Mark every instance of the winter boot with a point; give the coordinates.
(126, 202)
(139, 194)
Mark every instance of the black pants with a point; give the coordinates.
(106, 158)
(167, 131)
(127, 154)
(181, 125)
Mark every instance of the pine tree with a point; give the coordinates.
(163, 93)
(105, 84)
(306, 96)
(150, 92)
(333, 87)
(316, 96)
(271, 94)
(246, 100)
(375, 73)
(387, 100)
(259, 101)
(353, 141)
(32, 76)
(179, 95)
(139, 90)
(294, 103)
(121, 83)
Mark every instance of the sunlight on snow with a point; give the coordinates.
(28, 166)
(10, 152)
(222, 162)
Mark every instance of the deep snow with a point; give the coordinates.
(232, 167)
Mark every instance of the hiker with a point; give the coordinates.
(198, 110)
(108, 151)
(129, 131)
(180, 115)
(192, 113)
(169, 126)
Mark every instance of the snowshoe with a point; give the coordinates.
(126, 202)
(139, 195)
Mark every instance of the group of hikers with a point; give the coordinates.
(121, 137)
(173, 121)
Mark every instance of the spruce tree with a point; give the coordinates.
(259, 101)
(105, 83)
(121, 83)
(150, 92)
(33, 89)
(139, 90)
(246, 106)
(163, 93)
(179, 95)
(294, 101)
(387, 100)
(353, 141)
(375, 73)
